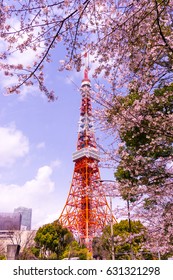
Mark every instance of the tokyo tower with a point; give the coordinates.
(86, 211)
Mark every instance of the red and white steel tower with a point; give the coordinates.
(86, 211)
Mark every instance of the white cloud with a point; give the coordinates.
(48, 218)
(41, 145)
(37, 194)
(55, 163)
(13, 144)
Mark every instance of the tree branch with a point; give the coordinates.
(160, 29)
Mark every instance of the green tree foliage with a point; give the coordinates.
(2, 257)
(29, 254)
(75, 250)
(52, 240)
(145, 169)
(127, 244)
(147, 137)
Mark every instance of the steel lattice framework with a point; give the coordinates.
(86, 211)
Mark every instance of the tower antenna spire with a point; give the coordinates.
(86, 70)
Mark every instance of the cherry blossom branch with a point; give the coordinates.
(50, 46)
(160, 29)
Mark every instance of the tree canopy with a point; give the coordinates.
(52, 240)
(75, 250)
(127, 244)
(145, 169)
(129, 40)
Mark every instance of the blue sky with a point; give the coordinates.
(37, 139)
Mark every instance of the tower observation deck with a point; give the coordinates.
(86, 211)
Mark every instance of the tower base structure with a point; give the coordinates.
(86, 211)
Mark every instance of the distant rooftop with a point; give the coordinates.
(10, 221)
